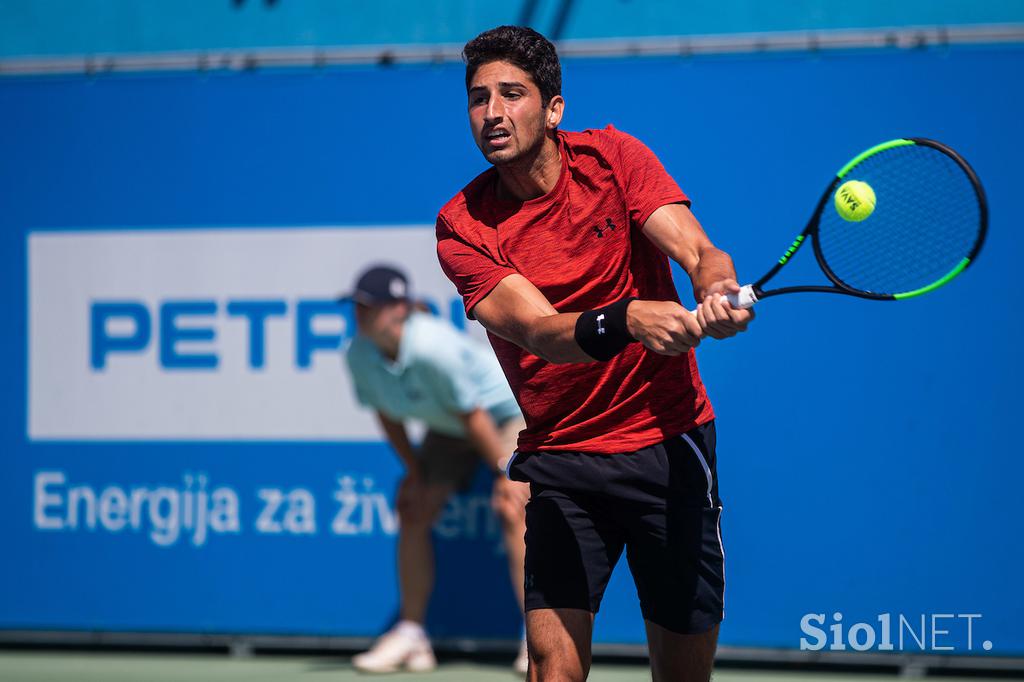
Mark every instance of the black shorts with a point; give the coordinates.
(660, 503)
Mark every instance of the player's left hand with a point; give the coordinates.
(716, 317)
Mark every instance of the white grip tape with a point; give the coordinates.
(746, 298)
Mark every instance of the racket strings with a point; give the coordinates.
(926, 220)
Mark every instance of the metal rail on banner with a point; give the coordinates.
(387, 55)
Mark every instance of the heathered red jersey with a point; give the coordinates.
(582, 245)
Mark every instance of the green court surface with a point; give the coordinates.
(36, 666)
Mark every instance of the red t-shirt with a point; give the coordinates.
(582, 245)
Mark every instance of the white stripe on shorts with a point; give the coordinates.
(703, 463)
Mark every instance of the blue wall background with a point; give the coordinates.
(868, 452)
(50, 27)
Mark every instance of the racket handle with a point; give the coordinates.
(746, 298)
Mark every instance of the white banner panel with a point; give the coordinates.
(222, 334)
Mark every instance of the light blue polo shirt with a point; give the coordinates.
(439, 373)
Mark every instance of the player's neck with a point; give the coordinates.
(534, 176)
(389, 343)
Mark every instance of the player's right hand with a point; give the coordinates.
(410, 492)
(664, 327)
(509, 498)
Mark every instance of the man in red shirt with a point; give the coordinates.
(561, 252)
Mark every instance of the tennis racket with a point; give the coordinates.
(929, 222)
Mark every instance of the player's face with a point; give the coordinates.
(381, 323)
(506, 115)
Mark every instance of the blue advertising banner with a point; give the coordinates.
(101, 27)
(182, 451)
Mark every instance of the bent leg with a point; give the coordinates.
(681, 658)
(509, 504)
(559, 644)
(572, 545)
(417, 513)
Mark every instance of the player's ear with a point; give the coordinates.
(556, 107)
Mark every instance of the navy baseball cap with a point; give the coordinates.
(377, 285)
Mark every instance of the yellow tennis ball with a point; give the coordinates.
(855, 200)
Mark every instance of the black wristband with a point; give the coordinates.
(602, 333)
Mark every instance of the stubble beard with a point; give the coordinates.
(523, 158)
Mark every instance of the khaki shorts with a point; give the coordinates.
(454, 460)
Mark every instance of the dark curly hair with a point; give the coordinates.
(519, 45)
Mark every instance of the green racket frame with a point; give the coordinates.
(755, 292)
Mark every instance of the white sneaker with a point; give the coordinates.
(394, 651)
(522, 663)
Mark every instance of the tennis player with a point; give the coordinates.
(561, 251)
(409, 364)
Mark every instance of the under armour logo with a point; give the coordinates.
(600, 327)
(608, 225)
(529, 580)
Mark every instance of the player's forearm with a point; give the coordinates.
(398, 438)
(677, 233)
(483, 433)
(713, 265)
(518, 312)
(553, 339)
